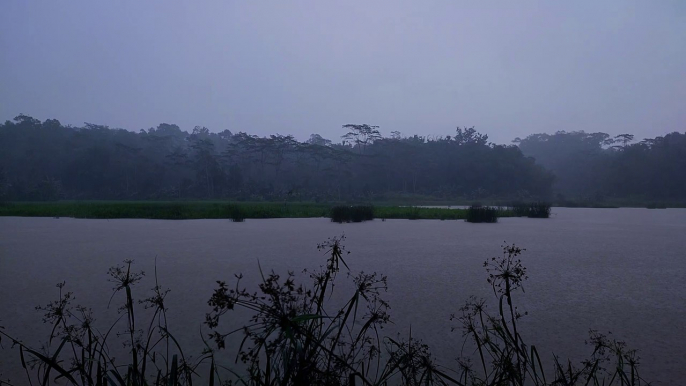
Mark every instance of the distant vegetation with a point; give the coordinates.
(44, 161)
(237, 211)
(293, 333)
(164, 210)
(594, 169)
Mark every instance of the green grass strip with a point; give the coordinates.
(168, 210)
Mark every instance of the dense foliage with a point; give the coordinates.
(48, 160)
(236, 210)
(595, 167)
(478, 213)
(357, 213)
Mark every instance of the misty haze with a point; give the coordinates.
(354, 193)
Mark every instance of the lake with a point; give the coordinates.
(618, 270)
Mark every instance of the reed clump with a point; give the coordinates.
(478, 214)
(531, 210)
(352, 213)
(539, 210)
(234, 212)
(519, 209)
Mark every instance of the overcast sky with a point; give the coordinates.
(301, 67)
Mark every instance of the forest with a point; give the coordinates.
(47, 161)
(596, 168)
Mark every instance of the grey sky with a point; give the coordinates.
(299, 67)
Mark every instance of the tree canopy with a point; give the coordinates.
(48, 160)
(596, 167)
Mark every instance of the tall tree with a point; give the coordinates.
(361, 136)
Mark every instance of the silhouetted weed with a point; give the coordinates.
(293, 335)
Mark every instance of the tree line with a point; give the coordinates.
(48, 161)
(595, 167)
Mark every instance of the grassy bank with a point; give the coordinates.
(162, 210)
(188, 210)
(213, 210)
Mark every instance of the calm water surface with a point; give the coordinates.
(618, 270)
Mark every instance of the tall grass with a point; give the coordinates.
(165, 210)
(234, 212)
(356, 213)
(78, 353)
(539, 210)
(505, 358)
(519, 209)
(237, 211)
(294, 336)
(477, 214)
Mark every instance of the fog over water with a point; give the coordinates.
(618, 270)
